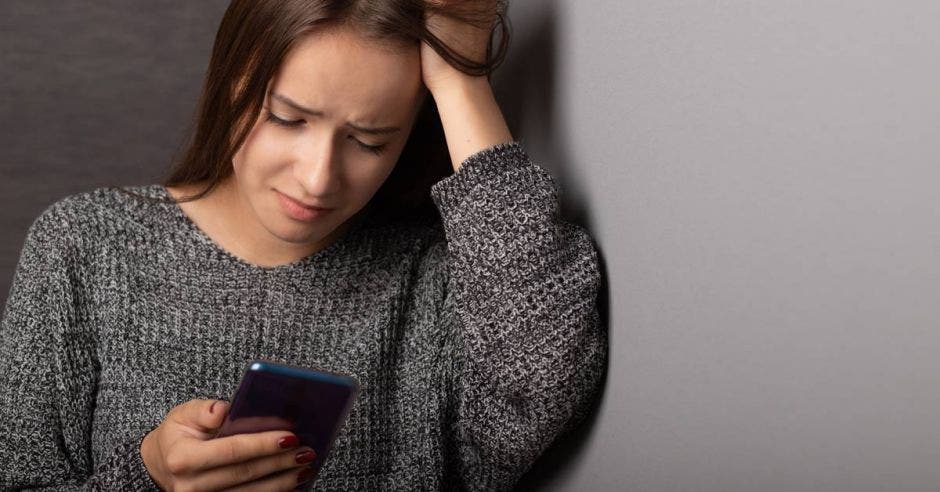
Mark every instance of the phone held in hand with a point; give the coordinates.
(312, 404)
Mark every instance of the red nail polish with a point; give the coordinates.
(305, 457)
(288, 442)
(304, 475)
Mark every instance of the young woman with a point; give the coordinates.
(293, 231)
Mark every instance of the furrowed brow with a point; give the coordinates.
(384, 130)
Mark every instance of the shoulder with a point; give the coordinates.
(92, 216)
(107, 202)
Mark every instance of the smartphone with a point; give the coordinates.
(310, 403)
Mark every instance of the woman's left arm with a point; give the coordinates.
(522, 284)
(522, 293)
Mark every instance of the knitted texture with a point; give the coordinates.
(475, 338)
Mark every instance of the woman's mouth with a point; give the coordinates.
(300, 211)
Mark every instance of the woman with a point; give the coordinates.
(281, 236)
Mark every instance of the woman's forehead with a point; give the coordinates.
(338, 67)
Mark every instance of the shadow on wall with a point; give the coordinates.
(526, 88)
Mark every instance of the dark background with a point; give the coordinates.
(93, 94)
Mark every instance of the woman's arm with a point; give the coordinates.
(470, 116)
(48, 376)
(529, 351)
(521, 297)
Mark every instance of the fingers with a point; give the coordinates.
(278, 472)
(190, 458)
(287, 480)
(202, 455)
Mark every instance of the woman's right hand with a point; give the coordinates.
(181, 454)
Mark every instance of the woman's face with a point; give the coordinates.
(334, 122)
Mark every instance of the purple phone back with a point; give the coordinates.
(311, 404)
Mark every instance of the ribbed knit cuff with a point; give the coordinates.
(478, 169)
(146, 481)
(123, 469)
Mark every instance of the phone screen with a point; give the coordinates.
(311, 404)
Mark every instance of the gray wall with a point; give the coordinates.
(762, 178)
(757, 175)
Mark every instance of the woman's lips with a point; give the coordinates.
(298, 211)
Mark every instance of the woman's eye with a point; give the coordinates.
(375, 149)
(278, 121)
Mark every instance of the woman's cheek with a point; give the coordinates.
(266, 155)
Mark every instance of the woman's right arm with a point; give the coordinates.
(48, 374)
(48, 378)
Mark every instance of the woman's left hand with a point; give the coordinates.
(468, 40)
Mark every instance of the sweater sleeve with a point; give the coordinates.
(48, 377)
(521, 293)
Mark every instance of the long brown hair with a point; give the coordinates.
(255, 36)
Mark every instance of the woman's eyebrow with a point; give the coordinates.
(385, 130)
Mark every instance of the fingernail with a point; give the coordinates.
(288, 442)
(305, 457)
(212, 407)
(305, 475)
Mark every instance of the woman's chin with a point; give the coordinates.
(292, 232)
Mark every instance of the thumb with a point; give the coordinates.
(215, 413)
(202, 415)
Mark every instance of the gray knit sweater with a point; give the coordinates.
(475, 339)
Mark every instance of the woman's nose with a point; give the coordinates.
(317, 169)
